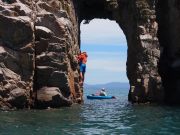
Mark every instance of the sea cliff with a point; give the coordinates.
(40, 39)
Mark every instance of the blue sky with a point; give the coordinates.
(106, 46)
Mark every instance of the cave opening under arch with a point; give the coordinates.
(143, 46)
(106, 46)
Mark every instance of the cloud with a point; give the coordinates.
(99, 31)
(107, 51)
(107, 65)
(107, 61)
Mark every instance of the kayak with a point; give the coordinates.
(99, 97)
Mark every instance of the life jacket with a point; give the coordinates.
(82, 58)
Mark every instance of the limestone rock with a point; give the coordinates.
(41, 46)
(43, 72)
(8, 74)
(12, 35)
(18, 98)
(16, 54)
(39, 41)
(51, 97)
(43, 32)
(11, 90)
(58, 79)
(142, 30)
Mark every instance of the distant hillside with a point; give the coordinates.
(111, 85)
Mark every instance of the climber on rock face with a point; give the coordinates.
(82, 59)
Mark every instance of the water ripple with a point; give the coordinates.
(94, 117)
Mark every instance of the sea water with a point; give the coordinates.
(94, 117)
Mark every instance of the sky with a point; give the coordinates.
(106, 45)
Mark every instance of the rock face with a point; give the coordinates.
(168, 12)
(38, 44)
(51, 96)
(137, 18)
(16, 56)
(56, 45)
(39, 41)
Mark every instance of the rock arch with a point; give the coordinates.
(136, 20)
(39, 40)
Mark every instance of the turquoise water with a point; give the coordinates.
(94, 117)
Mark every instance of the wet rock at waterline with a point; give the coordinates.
(51, 97)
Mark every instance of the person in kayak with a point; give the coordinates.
(82, 59)
(102, 92)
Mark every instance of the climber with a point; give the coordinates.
(82, 59)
